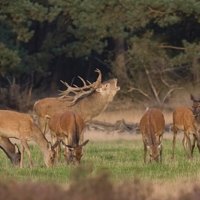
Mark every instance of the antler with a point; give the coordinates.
(73, 93)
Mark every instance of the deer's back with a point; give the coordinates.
(152, 122)
(183, 118)
(15, 124)
(66, 123)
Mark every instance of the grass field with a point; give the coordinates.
(123, 159)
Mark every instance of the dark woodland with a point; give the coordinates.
(151, 46)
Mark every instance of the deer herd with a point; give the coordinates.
(64, 118)
(152, 127)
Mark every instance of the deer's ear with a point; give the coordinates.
(66, 145)
(84, 143)
(56, 144)
(103, 87)
(159, 146)
(99, 90)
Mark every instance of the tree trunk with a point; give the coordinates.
(196, 69)
(119, 67)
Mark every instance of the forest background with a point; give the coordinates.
(151, 46)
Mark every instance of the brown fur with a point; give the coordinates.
(152, 126)
(10, 150)
(21, 126)
(68, 126)
(183, 119)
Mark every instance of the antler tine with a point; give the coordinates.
(89, 82)
(99, 79)
(75, 86)
(84, 83)
(74, 93)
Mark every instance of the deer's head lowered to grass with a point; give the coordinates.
(75, 153)
(21, 126)
(11, 150)
(152, 126)
(68, 127)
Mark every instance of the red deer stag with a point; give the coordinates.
(21, 126)
(152, 126)
(68, 126)
(88, 101)
(11, 150)
(183, 119)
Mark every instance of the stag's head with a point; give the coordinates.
(109, 88)
(75, 153)
(196, 107)
(154, 152)
(50, 155)
(74, 93)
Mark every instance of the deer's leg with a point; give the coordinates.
(145, 153)
(174, 141)
(197, 139)
(22, 156)
(198, 144)
(187, 142)
(161, 150)
(58, 148)
(27, 149)
(194, 139)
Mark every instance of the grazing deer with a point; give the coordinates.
(152, 126)
(184, 119)
(21, 126)
(68, 126)
(11, 150)
(88, 101)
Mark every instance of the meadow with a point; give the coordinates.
(121, 158)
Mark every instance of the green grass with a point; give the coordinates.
(122, 159)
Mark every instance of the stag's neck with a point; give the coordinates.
(92, 106)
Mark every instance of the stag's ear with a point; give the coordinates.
(84, 143)
(159, 146)
(99, 90)
(103, 87)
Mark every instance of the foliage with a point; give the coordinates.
(57, 38)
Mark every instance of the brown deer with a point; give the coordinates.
(68, 126)
(11, 150)
(21, 126)
(88, 101)
(184, 119)
(152, 126)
